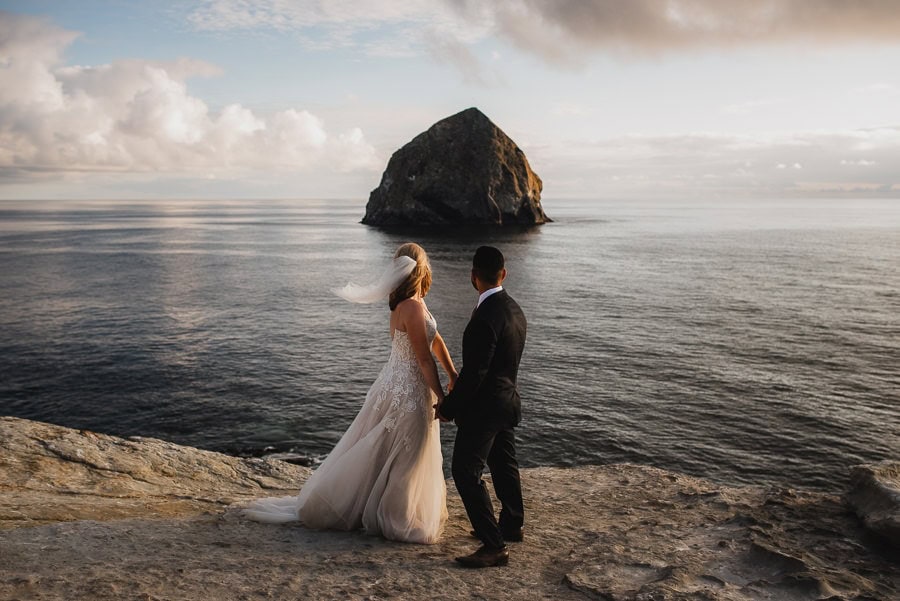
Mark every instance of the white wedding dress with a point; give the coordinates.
(385, 475)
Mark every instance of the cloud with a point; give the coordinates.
(139, 116)
(324, 24)
(564, 29)
(284, 15)
(448, 49)
(561, 32)
(379, 28)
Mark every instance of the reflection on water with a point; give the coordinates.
(746, 342)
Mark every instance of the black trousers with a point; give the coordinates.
(471, 451)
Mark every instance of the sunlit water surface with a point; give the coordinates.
(741, 341)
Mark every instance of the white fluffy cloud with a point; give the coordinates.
(139, 116)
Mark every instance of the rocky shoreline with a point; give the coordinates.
(89, 516)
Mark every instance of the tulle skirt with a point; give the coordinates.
(384, 476)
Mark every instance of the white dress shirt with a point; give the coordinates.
(487, 293)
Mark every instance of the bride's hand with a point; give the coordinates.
(437, 412)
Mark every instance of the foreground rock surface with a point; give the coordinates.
(619, 532)
(875, 496)
(462, 171)
(52, 474)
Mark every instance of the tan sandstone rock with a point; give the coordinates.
(617, 532)
(54, 474)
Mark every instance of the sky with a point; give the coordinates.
(682, 99)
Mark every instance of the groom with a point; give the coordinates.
(485, 405)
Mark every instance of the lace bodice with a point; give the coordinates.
(401, 347)
(401, 383)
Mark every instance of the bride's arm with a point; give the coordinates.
(443, 356)
(412, 315)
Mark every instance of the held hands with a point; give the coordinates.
(437, 412)
(437, 407)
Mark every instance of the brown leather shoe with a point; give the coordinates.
(485, 557)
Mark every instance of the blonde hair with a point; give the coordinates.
(418, 282)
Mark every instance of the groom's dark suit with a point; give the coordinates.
(486, 407)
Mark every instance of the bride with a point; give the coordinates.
(385, 474)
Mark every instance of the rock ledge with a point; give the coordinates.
(53, 474)
(616, 532)
(875, 496)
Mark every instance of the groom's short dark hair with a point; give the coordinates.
(488, 263)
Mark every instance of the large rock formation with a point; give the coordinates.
(463, 170)
(617, 532)
(875, 496)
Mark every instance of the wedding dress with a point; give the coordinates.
(385, 475)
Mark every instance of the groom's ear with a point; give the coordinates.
(502, 275)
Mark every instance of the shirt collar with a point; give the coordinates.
(488, 293)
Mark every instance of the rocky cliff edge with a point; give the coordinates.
(88, 516)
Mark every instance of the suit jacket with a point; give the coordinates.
(485, 395)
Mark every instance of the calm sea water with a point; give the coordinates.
(741, 341)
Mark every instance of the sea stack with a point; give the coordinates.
(462, 171)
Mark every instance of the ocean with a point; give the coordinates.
(742, 341)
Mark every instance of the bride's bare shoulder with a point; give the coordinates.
(410, 309)
(410, 305)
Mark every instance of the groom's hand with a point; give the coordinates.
(437, 413)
